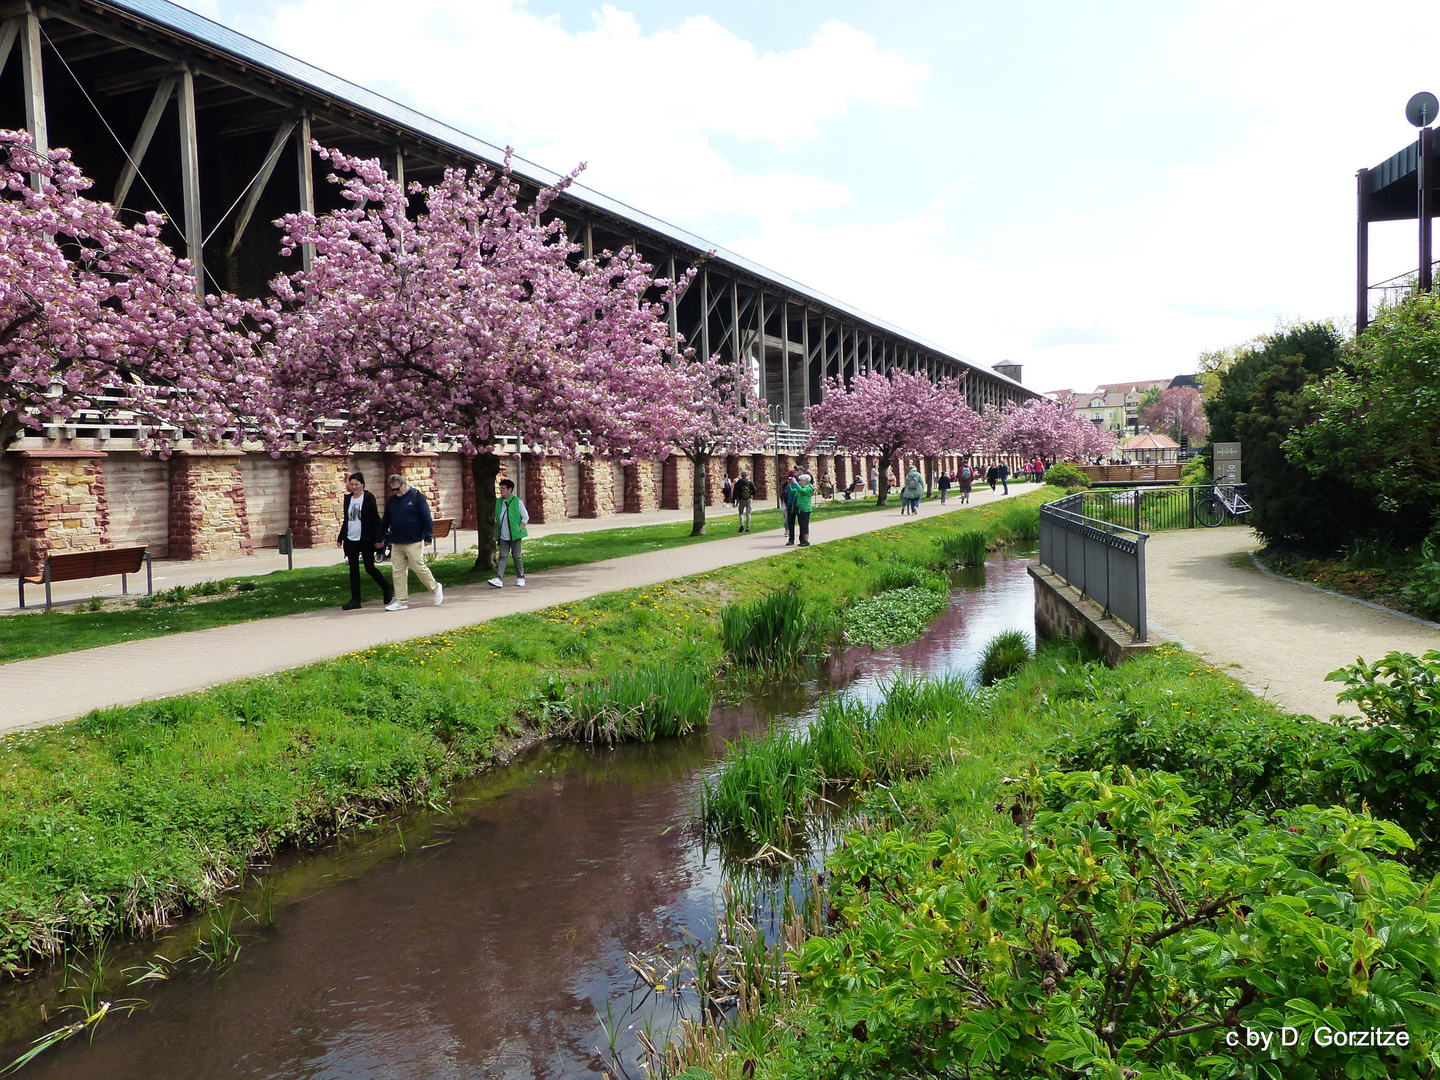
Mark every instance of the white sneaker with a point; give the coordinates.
(397, 605)
(439, 594)
(520, 582)
(497, 583)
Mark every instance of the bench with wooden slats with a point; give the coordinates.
(443, 527)
(100, 562)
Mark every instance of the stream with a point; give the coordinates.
(486, 941)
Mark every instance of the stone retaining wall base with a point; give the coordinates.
(1060, 609)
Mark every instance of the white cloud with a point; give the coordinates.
(641, 109)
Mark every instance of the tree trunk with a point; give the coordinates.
(485, 467)
(700, 461)
(883, 482)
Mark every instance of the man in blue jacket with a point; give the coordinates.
(408, 525)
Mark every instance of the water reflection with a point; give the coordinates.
(490, 942)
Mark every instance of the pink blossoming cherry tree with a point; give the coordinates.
(902, 412)
(92, 307)
(467, 322)
(1048, 430)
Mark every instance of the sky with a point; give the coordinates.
(1098, 192)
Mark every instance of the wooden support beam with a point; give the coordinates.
(397, 167)
(190, 179)
(705, 314)
(257, 185)
(305, 175)
(9, 31)
(34, 81)
(163, 93)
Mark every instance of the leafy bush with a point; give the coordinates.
(1423, 592)
(964, 549)
(774, 631)
(891, 617)
(1063, 474)
(1006, 653)
(1107, 936)
(1196, 471)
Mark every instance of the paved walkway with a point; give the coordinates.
(53, 689)
(168, 573)
(1279, 637)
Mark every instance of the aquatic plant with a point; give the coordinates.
(1019, 526)
(964, 549)
(894, 574)
(891, 617)
(643, 704)
(772, 632)
(1006, 653)
(762, 789)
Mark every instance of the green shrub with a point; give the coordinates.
(245, 586)
(1423, 592)
(892, 574)
(895, 616)
(1108, 936)
(772, 632)
(1196, 471)
(642, 705)
(964, 549)
(1063, 474)
(1006, 653)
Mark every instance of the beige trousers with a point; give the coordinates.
(403, 559)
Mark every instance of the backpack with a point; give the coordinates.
(965, 473)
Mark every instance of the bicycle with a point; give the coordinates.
(1223, 502)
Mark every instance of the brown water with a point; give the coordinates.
(487, 942)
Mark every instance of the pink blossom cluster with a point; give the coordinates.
(91, 307)
(469, 317)
(1045, 429)
(896, 413)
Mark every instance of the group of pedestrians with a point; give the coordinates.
(407, 526)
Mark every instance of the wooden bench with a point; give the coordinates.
(103, 562)
(443, 527)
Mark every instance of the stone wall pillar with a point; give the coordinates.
(732, 466)
(469, 504)
(544, 489)
(640, 494)
(824, 471)
(679, 485)
(419, 472)
(60, 505)
(782, 468)
(761, 476)
(715, 481)
(317, 499)
(208, 517)
(929, 475)
(842, 475)
(597, 487)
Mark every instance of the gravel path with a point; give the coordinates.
(1280, 637)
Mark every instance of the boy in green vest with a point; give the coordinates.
(511, 517)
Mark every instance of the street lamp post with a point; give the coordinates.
(776, 413)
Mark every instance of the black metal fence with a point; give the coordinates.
(1145, 509)
(1104, 559)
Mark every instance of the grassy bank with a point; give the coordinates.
(1102, 873)
(121, 819)
(287, 592)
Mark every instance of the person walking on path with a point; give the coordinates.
(912, 492)
(743, 492)
(804, 504)
(727, 491)
(1002, 471)
(874, 479)
(408, 526)
(359, 528)
(992, 476)
(511, 517)
(944, 485)
(788, 498)
(967, 481)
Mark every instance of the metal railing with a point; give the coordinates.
(1149, 510)
(1105, 561)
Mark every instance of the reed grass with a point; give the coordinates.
(1019, 526)
(641, 705)
(762, 790)
(1006, 653)
(966, 548)
(774, 631)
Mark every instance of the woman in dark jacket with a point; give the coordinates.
(359, 531)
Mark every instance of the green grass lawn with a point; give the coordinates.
(27, 635)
